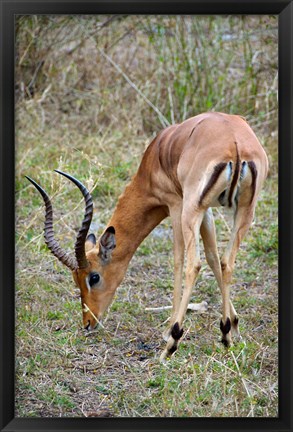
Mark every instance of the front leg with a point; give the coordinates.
(190, 228)
(178, 250)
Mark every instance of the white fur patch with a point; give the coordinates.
(229, 171)
(243, 172)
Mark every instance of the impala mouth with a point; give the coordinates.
(88, 326)
(93, 327)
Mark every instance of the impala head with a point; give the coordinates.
(91, 267)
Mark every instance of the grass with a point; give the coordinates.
(76, 112)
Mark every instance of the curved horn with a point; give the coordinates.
(50, 240)
(82, 233)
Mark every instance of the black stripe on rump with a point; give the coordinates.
(235, 177)
(214, 177)
(253, 171)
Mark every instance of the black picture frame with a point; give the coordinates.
(8, 9)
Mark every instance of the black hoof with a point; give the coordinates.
(225, 328)
(225, 343)
(176, 332)
(173, 349)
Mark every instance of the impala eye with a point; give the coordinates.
(94, 279)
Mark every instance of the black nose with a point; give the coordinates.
(87, 327)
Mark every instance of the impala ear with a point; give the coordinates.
(90, 242)
(107, 244)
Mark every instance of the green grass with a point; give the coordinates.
(80, 115)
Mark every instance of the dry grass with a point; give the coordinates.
(91, 93)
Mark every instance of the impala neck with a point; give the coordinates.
(135, 216)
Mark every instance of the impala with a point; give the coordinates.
(212, 159)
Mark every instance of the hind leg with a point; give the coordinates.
(242, 222)
(208, 234)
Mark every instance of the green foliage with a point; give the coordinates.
(265, 244)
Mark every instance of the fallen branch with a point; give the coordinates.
(198, 307)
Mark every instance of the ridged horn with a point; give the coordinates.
(50, 240)
(82, 233)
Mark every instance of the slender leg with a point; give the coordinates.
(208, 234)
(178, 249)
(242, 221)
(191, 222)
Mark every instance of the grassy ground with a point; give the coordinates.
(91, 93)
